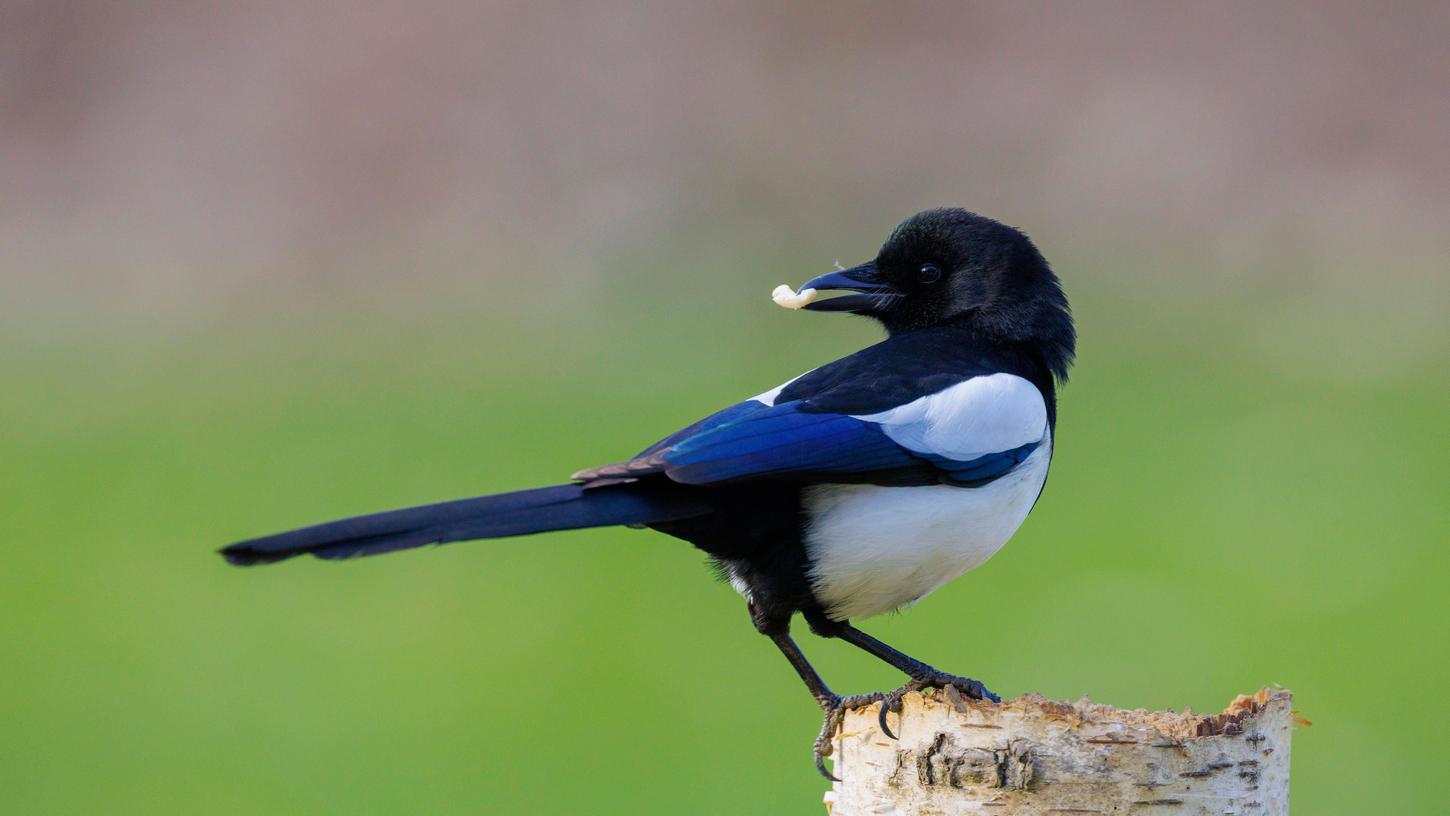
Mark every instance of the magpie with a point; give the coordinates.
(855, 489)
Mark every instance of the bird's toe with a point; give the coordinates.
(835, 710)
(891, 701)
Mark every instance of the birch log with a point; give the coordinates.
(1034, 756)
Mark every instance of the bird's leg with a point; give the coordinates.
(922, 675)
(834, 705)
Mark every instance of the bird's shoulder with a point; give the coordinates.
(911, 407)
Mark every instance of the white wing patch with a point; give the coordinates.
(983, 415)
(768, 398)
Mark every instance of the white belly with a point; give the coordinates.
(875, 548)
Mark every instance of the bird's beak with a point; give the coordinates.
(875, 295)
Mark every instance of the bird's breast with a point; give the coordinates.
(875, 548)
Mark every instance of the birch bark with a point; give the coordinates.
(1033, 756)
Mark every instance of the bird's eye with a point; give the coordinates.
(929, 273)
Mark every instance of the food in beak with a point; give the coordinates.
(786, 297)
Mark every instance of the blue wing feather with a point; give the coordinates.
(984, 468)
(783, 439)
(715, 420)
(796, 439)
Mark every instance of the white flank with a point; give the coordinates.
(875, 548)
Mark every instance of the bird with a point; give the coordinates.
(852, 490)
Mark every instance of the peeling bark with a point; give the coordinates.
(1033, 756)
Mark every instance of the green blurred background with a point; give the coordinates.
(268, 264)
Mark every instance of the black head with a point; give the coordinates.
(953, 266)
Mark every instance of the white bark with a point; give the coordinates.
(1032, 755)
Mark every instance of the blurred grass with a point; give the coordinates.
(1250, 494)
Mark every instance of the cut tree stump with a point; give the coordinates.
(1034, 756)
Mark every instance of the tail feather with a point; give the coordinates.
(563, 507)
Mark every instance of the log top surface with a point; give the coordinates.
(1033, 755)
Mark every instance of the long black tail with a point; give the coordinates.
(564, 507)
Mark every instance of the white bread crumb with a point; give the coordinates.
(785, 296)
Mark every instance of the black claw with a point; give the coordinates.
(835, 709)
(892, 700)
(823, 746)
(881, 720)
(821, 767)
